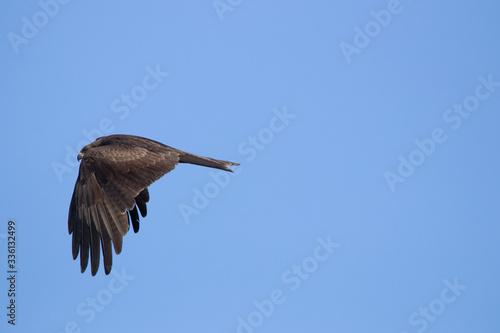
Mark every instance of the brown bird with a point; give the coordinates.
(115, 173)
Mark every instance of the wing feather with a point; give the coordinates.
(105, 239)
(134, 218)
(95, 239)
(84, 244)
(141, 201)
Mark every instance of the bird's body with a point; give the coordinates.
(112, 188)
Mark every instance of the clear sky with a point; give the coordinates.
(367, 132)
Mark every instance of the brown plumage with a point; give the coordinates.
(112, 188)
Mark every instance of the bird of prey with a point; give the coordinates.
(112, 188)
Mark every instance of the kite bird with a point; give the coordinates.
(112, 188)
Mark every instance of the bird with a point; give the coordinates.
(112, 189)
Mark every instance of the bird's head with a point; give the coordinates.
(102, 141)
(83, 151)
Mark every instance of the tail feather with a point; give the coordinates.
(205, 161)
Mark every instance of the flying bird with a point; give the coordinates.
(112, 188)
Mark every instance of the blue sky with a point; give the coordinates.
(367, 132)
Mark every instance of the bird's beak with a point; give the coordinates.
(80, 156)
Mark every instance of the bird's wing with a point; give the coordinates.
(110, 178)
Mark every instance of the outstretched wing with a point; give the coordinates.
(113, 178)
